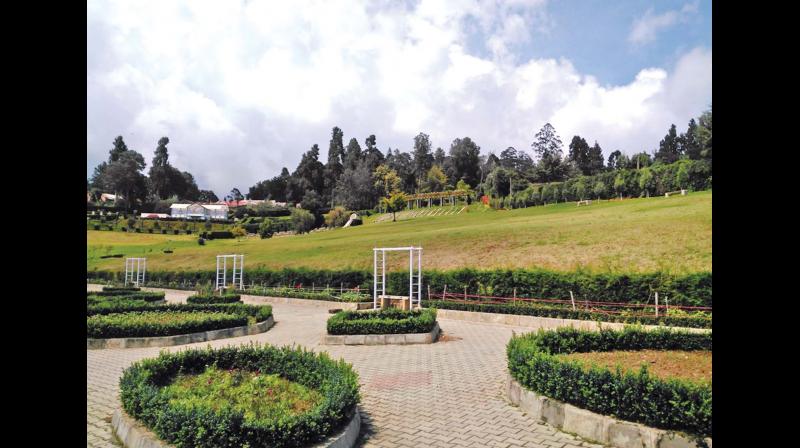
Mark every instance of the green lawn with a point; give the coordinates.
(635, 235)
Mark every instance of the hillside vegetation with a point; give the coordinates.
(634, 235)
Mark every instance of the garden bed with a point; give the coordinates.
(554, 385)
(676, 319)
(389, 326)
(212, 298)
(253, 396)
(119, 322)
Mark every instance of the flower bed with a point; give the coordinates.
(211, 298)
(670, 404)
(150, 391)
(386, 321)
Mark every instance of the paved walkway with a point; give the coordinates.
(431, 395)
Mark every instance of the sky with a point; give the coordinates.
(244, 88)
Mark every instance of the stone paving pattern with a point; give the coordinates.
(447, 394)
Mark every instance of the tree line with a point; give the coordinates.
(360, 177)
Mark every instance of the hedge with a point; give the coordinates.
(141, 393)
(159, 323)
(258, 312)
(567, 313)
(690, 289)
(147, 296)
(227, 298)
(385, 321)
(121, 288)
(671, 404)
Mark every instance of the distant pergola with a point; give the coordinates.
(135, 269)
(443, 196)
(414, 280)
(222, 271)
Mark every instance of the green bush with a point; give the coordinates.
(672, 319)
(302, 220)
(220, 235)
(256, 313)
(667, 404)
(142, 392)
(690, 289)
(146, 296)
(159, 323)
(386, 321)
(211, 298)
(354, 297)
(121, 288)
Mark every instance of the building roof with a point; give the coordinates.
(206, 206)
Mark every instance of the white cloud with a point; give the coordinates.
(242, 89)
(645, 28)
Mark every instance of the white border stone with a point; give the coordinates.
(592, 426)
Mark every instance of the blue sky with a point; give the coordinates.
(244, 88)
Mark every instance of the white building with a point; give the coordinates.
(198, 211)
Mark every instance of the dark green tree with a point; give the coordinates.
(422, 157)
(548, 148)
(595, 159)
(465, 159)
(352, 154)
(669, 147)
(579, 154)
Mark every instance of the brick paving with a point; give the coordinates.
(447, 394)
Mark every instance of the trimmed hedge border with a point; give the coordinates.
(566, 313)
(547, 323)
(592, 426)
(121, 288)
(208, 299)
(693, 289)
(384, 339)
(141, 385)
(135, 435)
(381, 322)
(147, 296)
(180, 339)
(671, 404)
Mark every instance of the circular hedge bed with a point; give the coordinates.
(211, 298)
(670, 404)
(159, 323)
(384, 321)
(131, 316)
(147, 392)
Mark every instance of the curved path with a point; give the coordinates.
(440, 395)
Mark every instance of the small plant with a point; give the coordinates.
(201, 241)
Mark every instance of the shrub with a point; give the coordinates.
(146, 296)
(159, 323)
(690, 289)
(673, 319)
(386, 321)
(302, 220)
(668, 404)
(176, 232)
(220, 235)
(142, 392)
(121, 288)
(210, 298)
(256, 313)
(337, 217)
(201, 241)
(265, 229)
(96, 227)
(354, 297)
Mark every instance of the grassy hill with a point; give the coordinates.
(635, 235)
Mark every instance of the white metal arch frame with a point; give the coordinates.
(135, 269)
(414, 280)
(222, 271)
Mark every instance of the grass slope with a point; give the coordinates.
(636, 235)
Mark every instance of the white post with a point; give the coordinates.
(656, 303)
(224, 272)
(410, 277)
(419, 277)
(374, 279)
(383, 273)
(573, 300)
(241, 271)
